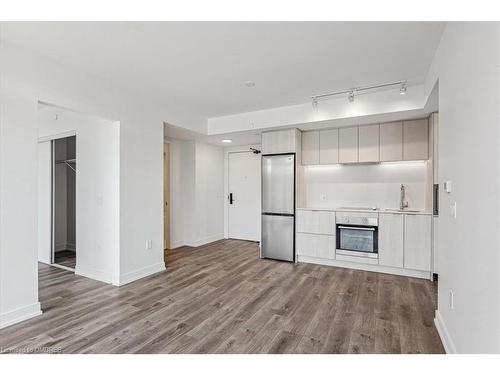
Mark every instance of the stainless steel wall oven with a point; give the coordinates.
(357, 236)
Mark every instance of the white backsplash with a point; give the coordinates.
(371, 185)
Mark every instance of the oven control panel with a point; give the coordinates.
(354, 220)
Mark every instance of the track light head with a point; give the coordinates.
(402, 89)
(351, 96)
(315, 102)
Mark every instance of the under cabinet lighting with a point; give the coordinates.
(402, 162)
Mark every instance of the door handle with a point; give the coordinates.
(231, 200)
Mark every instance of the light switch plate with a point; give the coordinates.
(453, 210)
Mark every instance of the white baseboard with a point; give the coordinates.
(64, 246)
(141, 272)
(59, 247)
(18, 315)
(364, 267)
(176, 244)
(444, 335)
(93, 273)
(206, 240)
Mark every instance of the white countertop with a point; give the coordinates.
(377, 210)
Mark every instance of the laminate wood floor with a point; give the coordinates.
(65, 258)
(221, 298)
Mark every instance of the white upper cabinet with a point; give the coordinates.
(417, 242)
(369, 146)
(329, 146)
(280, 142)
(416, 139)
(391, 141)
(348, 145)
(390, 240)
(310, 148)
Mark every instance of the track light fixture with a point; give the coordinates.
(350, 97)
(402, 89)
(354, 90)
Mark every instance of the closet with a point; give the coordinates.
(64, 202)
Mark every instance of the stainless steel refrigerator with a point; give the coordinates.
(278, 207)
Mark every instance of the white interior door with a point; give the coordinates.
(244, 187)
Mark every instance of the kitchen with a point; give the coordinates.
(360, 197)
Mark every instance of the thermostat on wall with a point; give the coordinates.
(447, 186)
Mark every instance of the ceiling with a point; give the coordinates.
(204, 65)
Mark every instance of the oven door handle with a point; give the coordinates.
(357, 228)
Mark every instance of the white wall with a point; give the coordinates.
(176, 193)
(18, 207)
(209, 193)
(196, 193)
(467, 67)
(27, 78)
(374, 185)
(97, 189)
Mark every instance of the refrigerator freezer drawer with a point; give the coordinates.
(278, 237)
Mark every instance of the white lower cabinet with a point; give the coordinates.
(417, 242)
(404, 241)
(390, 240)
(316, 245)
(316, 222)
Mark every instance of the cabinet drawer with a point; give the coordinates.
(316, 245)
(354, 259)
(316, 222)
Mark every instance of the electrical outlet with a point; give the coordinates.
(322, 197)
(149, 244)
(452, 300)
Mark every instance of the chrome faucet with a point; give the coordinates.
(402, 203)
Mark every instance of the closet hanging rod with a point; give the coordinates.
(66, 161)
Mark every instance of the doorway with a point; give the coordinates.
(64, 202)
(166, 196)
(244, 195)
